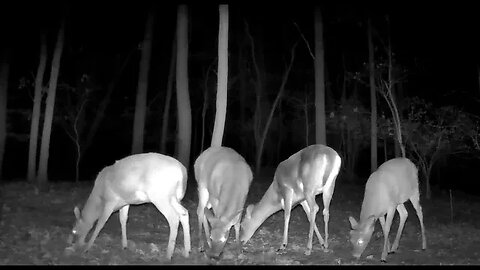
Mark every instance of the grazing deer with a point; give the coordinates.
(392, 184)
(223, 178)
(136, 179)
(298, 179)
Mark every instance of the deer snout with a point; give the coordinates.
(216, 250)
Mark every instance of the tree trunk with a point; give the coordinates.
(183, 99)
(258, 85)
(242, 92)
(258, 159)
(141, 102)
(4, 72)
(320, 134)
(397, 95)
(37, 102)
(305, 112)
(221, 109)
(100, 112)
(168, 98)
(373, 101)
(42, 179)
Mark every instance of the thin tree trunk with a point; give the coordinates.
(221, 109)
(100, 112)
(141, 102)
(320, 133)
(42, 179)
(37, 102)
(258, 160)
(389, 95)
(373, 101)
(258, 84)
(4, 72)
(204, 109)
(242, 91)
(183, 98)
(168, 98)
(305, 111)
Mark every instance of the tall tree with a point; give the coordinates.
(102, 107)
(168, 98)
(42, 178)
(37, 101)
(141, 102)
(258, 159)
(373, 100)
(183, 98)
(4, 72)
(320, 133)
(221, 111)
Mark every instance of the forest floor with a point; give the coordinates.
(34, 229)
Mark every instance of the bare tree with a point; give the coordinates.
(320, 133)
(183, 98)
(42, 177)
(386, 89)
(141, 100)
(258, 159)
(100, 110)
(373, 100)
(37, 101)
(168, 98)
(221, 111)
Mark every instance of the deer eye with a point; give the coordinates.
(360, 242)
(222, 239)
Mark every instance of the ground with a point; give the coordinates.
(34, 229)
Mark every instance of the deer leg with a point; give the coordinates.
(202, 202)
(184, 219)
(287, 207)
(386, 230)
(123, 215)
(310, 198)
(327, 198)
(107, 211)
(172, 218)
(304, 204)
(415, 199)
(403, 217)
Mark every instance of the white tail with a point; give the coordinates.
(392, 184)
(223, 179)
(305, 174)
(136, 179)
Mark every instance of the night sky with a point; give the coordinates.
(437, 42)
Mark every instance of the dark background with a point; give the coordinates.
(436, 41)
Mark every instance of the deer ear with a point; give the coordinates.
(353, 222)
(76, 211)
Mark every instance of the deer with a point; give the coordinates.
(297, 180)
(386, 190)
(223, 178)
(136, 179)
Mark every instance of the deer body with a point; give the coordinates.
(392, 184)
(223, 178)
(298, 179)
(136, 179)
